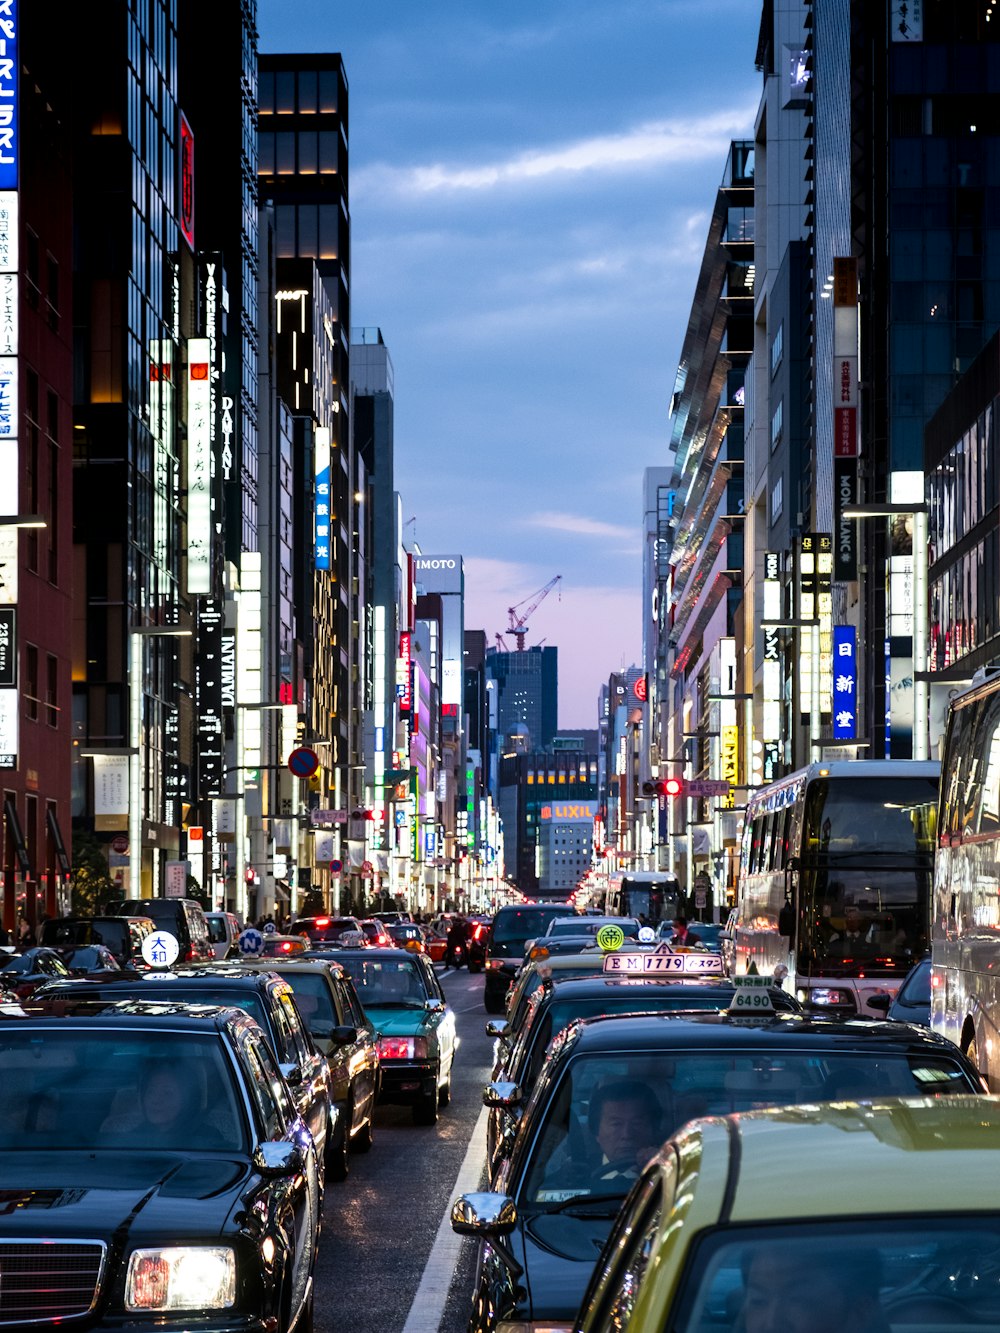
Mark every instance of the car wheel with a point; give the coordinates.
(337, 1163)
(425, 1108)
(365, 1136)
(444, 1093)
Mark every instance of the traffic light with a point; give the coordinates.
(672, 787)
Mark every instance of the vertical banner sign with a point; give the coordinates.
(845, 547)
(10, 65)
(404, 674)
(208, 700)
(110, 792)
(8, 646)
(187, 180)
(845, 682)
(8, 728)
(771, 712)
(199, 467)
(322, 522)
(845, 416)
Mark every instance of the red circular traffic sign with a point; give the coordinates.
(367, 869)
(119, 844)
(303, 762)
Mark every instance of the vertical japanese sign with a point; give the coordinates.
(322, 471)
(199, 466)
(845, 415)
(845, 682)
(10, 65)
(186, 162)
(110, 792)
(404, 673)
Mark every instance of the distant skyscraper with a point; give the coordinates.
(527, 688)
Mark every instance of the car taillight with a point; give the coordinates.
(322, 921)
(402, 1048)
(478, 933)
(286, 946)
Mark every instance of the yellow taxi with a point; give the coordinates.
(849, 1217)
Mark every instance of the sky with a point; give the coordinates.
(530, 188)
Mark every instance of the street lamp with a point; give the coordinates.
(921, 557)
(241, 800)
(136, 637)
(815, 711)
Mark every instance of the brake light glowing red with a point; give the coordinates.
(322, 921)
(478, 933)
(286, 946)
(935, 980)
(396, 1048)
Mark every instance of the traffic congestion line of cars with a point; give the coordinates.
(177, 1117)
(636, 1114)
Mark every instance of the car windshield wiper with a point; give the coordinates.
(580, 1205)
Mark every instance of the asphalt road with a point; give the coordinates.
(380, 1224)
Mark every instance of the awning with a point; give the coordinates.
(62, 857)
(16, 836)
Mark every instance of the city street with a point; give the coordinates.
(381, 1225)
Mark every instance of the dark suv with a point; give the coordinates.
(181, 917)
(509, 932)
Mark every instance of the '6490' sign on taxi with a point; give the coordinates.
(668, 964)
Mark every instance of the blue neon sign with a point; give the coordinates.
(845, 682)
(8, 94)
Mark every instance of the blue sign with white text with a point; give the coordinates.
(845, 682)
(9, 66)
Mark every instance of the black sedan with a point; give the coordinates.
(913, 1002)
(155, 1173)
(614, 1088)
(559, 1001)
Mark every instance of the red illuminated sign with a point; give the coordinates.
(187, 181)
(639, 688)
(404, 674)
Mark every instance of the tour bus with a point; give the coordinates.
(965, 924)
(836, 873)
(651, 895)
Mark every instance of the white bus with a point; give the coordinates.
(965, 927)
(835, 881)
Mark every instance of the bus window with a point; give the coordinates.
(988, 766)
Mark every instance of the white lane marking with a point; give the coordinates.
(435, 1283)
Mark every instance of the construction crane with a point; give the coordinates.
(518, 625)
(502, 645)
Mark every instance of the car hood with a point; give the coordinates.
(400, 1022)
(96, 1194)
(558, 1254)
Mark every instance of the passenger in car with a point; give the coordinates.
(829, 1293)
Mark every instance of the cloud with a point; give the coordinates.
(586, 527)
(654, 144)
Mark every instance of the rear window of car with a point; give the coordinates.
(916, 989)
(313, 1001)
(217, 929)
(324, 930)
(523, 922)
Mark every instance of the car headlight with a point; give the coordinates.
(402, 1048)
(187, 1277)
(830, 995)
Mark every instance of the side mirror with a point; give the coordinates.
(501, 1096)
(483, 1214)
(880, 1003)
(496, 1027)
(278, 1159)
(343, 1034)
(291, 1073)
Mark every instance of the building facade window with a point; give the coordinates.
(777, 424)
(777, 499)
(777, 348)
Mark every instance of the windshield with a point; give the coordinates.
(920, 1272)
(523, 923)
(867, 863)
(391, 983)
(92, 958)
(313, 1001)
(883, 818)
(144, 1090)
(216, 995)
(611, 1112)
